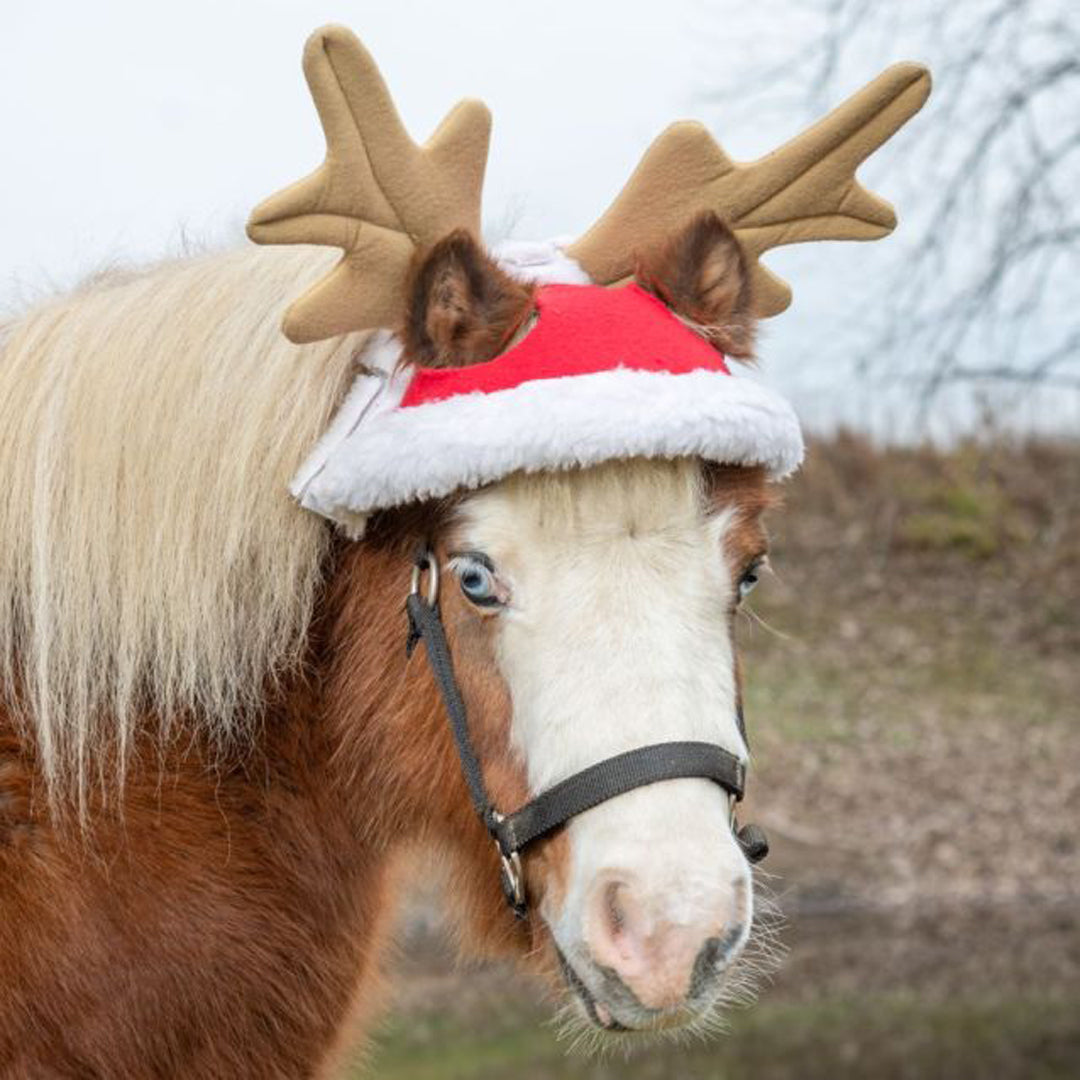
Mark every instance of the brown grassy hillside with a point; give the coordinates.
(916, 713)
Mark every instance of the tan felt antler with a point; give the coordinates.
(377, 195)
(805, 190)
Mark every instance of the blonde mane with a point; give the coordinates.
(152, 561)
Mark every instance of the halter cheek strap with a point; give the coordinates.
(596, 784)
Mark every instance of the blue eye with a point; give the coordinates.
(477, 579)
(750, 578)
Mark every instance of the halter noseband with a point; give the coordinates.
(616, 775)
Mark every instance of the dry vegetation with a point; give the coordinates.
(918, 726)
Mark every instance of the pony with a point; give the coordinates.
(217, 759)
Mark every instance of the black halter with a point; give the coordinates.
(512, 833)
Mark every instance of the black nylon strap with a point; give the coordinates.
(615, 776)
(580, 792)
(424, 623)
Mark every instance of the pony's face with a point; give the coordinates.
(602, 602)
(606, 599)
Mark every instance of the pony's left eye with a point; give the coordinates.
(750, 578)
(477, 578)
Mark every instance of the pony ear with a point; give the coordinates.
(702, 275)
(463, 308)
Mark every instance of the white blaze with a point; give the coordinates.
(617, 635)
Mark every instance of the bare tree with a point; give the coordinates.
(986, 285)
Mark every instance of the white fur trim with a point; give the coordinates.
(540, 261)
(393, 456)
(378, 359)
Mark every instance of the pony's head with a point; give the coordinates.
(600, 564)
(589, 612)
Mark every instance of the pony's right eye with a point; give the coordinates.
(478, 580)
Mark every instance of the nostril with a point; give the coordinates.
(616, 915)
(709, 956)
(618, 929)
(715, 955)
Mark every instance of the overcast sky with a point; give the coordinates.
(127, 122)
(129, 125)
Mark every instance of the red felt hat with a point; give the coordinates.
(603, 374)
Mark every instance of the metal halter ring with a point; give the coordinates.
(513, 880)
(511, 873)
(426, 562)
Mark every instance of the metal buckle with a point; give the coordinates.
(513, 881)
(511, 874)
(427, 562)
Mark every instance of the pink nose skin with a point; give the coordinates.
(660, 962)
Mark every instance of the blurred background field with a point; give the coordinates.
(913, 681)
(913, 699)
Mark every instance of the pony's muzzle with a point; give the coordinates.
(651, 963)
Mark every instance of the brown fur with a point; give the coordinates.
(227, 924)
(463, 309)
(702, 275)
(748, 492)
(230, 923)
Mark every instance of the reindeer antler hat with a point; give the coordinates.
(605, 372)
